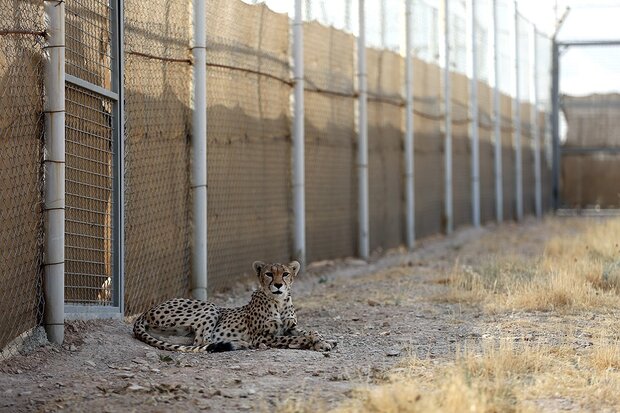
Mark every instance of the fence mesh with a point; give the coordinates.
(331, 185)
(385, 148)
(487, 153)
(157, 152)
(508, 157)
(249, 146)
(21, 134)
(87, 39)
(88, 195)
(591, 153)
(461, 150)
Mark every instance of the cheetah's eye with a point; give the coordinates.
(286, 274)
(269, 274)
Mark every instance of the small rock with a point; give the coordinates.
(355, 319)
(24, 393)
(126, 375)
(72, 348)
(325, 354)
(90, 363)
(152, 356)
(136, 387)
(19, 371)
(392, 353)
(373, 303)
(139, 361)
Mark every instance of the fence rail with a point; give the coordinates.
(468, 138)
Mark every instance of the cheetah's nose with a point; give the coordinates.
(278, 285)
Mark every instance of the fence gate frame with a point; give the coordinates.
(559, 47)
(115, 95)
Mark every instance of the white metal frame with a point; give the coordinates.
(116, 95)
(199, 153)
(298, 153)
(54, 170)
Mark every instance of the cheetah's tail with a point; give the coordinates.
(139, 331)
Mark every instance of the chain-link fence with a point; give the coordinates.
(590, 148)
(249, 146)
(157, 151)
(21, 145)
(249, 138)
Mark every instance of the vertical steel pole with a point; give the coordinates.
(497, 119)
(473, 108)
(299, 202)
(409, 131)
(54, 172)
(118, 77)
(448, 121)
(535, 126)
(362, 154)
(517, 122)
(555, 122)
(199, 153)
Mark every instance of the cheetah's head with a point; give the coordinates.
(276, 279)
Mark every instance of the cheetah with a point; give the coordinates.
(268, 320)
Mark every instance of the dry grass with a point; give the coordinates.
(572, 364)
(502, 377)
(576, 272)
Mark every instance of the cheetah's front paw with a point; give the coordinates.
(322, 345)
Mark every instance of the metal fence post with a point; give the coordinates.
(118, 41)
(497, 120)
(362, 150)
(448, 122)
(199, 153)
(54, 170)
(555, 122)
(473, 107)
(409, 131)
(535, 127)
(299, 211)
(517, 123)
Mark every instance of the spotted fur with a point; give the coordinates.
(268, 320)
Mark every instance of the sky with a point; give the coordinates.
(584, 70)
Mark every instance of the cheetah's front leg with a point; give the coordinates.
(311, 341)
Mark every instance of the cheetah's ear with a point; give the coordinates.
(294, 266)
(258, 266)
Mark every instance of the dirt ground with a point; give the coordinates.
(379, 312)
